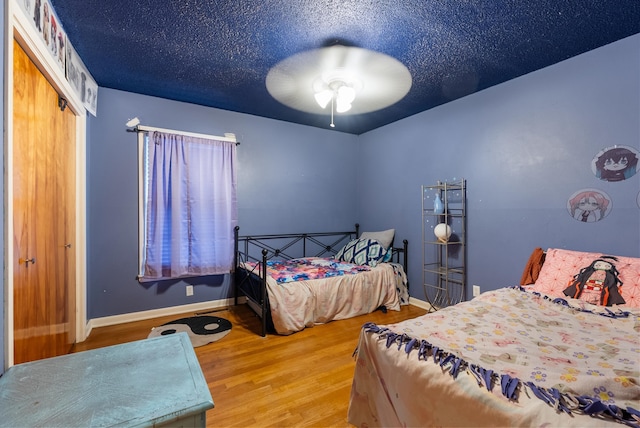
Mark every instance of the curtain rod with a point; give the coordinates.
(142, 128)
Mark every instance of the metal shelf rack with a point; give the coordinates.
(444, 269)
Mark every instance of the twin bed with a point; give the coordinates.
(295, 281)
(520, 356)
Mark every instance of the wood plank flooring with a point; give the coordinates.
(302, 380)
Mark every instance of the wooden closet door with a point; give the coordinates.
(43, 216)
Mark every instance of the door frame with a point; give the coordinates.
(29, 39)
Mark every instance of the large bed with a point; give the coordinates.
(527, 355)
(295, 281)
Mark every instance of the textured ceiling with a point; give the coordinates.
(218, 53)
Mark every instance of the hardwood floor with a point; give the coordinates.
(302, 380)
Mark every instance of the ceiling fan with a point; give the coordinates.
(351, 80)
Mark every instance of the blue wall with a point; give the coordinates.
(524, 146)
(283, 174)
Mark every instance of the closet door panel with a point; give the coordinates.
(43, 221)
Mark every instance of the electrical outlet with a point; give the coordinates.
(189, 290)
(476, 290)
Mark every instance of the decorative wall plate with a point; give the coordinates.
(615, 163)
(589, 205)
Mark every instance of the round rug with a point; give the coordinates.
(201, 329)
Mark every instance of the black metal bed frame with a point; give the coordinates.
(262, 248)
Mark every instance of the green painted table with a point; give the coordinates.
(149, 382)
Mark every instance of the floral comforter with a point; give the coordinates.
(330, 291)
(534, 359)
(308, 268)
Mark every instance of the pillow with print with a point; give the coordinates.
(561, 265)
(367, 252)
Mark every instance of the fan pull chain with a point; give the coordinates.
(332, 124)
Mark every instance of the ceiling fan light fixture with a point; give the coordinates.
(342, 105)
(340, 91)
(323, 97)
(346, 96)
(352, 79)
(346, 93)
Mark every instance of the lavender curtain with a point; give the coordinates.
(190, 207)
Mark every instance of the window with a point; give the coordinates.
(188, 206)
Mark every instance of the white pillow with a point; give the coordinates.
(384, 237)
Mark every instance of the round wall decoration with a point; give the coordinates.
(589, 205)
(615, 163)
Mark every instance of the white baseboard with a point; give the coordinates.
(420, 303)
(156, 313)
(193, 307)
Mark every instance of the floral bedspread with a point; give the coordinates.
(333, 295)
(308, 268)
(574, 356)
